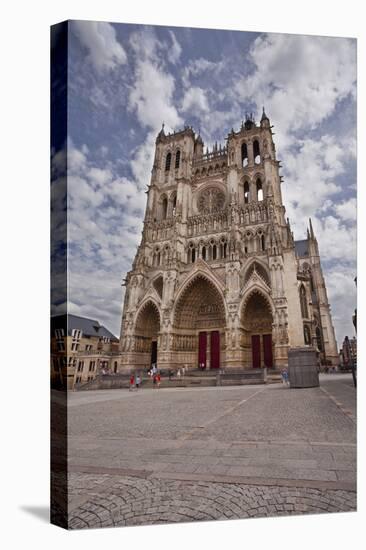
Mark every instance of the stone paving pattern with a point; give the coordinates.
(154, 456)
(135, 501)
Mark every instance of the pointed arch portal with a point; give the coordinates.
(200, 315)
(147, 331)
(256, 335)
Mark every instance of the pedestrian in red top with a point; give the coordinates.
(132, 382)
(158, 379)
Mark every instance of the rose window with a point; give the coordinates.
(211, 200)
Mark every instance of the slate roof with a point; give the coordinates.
(301, 248)
(89, 327)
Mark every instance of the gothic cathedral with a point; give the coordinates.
(218, 280)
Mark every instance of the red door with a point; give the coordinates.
(202, 346)
(267, 350)
(256, 351)
(215, 349)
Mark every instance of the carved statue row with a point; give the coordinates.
(243, 216)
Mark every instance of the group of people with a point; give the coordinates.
(135, 382)
(155, 375)
(181, 372)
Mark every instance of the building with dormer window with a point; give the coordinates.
(81, 348)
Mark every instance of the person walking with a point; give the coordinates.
(158, 379)
(284, 375)
(178, 373)
(132, 382)
(138, 381)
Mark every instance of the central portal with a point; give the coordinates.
(213, 351)
(200, 319)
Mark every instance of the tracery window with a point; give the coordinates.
(263, 244)
(168, 161)
(191, 253)
(256, 152)
(259, 190)
(177, 159)
(244, 155)
(164, 208)
(211, 200)
(246, 192)
(173, 204)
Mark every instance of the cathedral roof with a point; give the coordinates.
(301, 248)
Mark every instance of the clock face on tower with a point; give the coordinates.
(211, 200)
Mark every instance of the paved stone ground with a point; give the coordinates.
(174, 455)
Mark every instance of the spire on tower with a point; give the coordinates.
(311, 229)
(264, 120)
(264, 116)
(161, 134)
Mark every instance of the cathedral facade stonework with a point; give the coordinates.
(218, 280)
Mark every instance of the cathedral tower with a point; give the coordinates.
(218, 281)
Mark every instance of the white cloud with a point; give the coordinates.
(104, 227)
(199, 66)
(342, 295)
(82, 195)
(195, 101)
(76, 158)
(145, 44)
(175, 49)
(310, 177)
(104, 50)
(99, 176)
(347, 210)
(336, 241)
(142, 162)
(152, 96)
(301, 78)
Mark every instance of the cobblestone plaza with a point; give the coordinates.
(179, 454)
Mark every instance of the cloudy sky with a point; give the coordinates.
(125, 80)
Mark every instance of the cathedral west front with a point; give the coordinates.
(218, 280)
